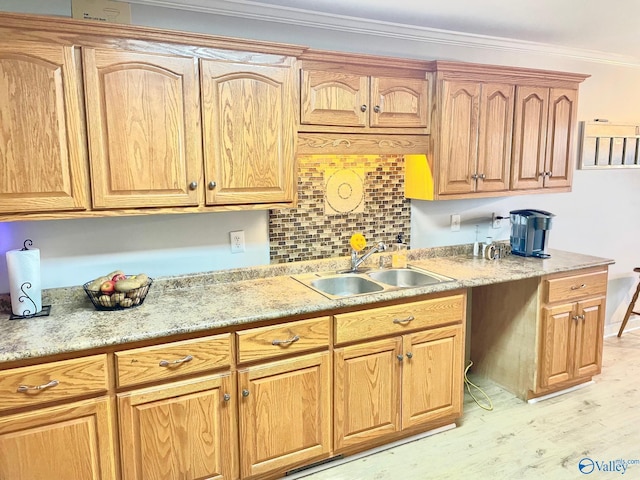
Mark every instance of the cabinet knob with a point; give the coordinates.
(193, 185)
(549, 174)
(482, 176)
(409, 355)
(363, 108)
(542, 174)
(377, 109)
(212, 185)
(245, 392)
(576, 317)
(474, 176)
(400, 357)
(226, 397)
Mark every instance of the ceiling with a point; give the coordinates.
(608, 27)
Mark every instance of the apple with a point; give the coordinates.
(108, 287)
(118, 276)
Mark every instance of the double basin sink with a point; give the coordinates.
(348, 284)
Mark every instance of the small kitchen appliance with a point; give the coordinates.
(530, 232)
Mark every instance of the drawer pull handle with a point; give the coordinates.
(26, 388)
(404, 320)
(573, 287)
(288, 341)
(166, 363)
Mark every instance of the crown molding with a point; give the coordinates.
(307, 18)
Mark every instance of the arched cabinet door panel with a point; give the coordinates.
(249, 132)
(144, 129)
(42, 154)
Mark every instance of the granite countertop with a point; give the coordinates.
(201, 302)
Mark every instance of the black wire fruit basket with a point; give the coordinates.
(116, 300)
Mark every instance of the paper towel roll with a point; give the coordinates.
(24, 281)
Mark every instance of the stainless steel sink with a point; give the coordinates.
(406, 277)
(348, 284)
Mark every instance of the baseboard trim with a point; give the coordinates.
(342, 460)
(560, 392)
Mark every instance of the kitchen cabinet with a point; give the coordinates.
(178, 428)
(41, 133)
(342, 98)
(185, 429)
(498, 131)
(553, 325)
(144, 129)
(572, 332)
(388, 387)
(475, 145)
(284, 409)
(31, 438)
(249, 132)
(72, 441)
(543, 138)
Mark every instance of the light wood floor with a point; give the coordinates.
(518, 440)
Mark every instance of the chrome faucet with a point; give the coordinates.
(356, 261)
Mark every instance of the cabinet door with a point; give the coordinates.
(399, 102)
(494, 144)
(432, 385)
(560, 155)
(588, 352)
(557, 344)
(529, 137)
(70, 442)
(285, 413)
(366, 392)
(249, 132)
(459, 137)
(183, 430)
(144, 129)
(42, 158)
(334, 98)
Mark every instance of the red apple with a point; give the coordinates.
(108, 287)
(118, 276)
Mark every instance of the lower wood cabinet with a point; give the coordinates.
(74, 441)
(184, 430)
(571, 345)
(537, 336)
(284, 414)
(386, 386)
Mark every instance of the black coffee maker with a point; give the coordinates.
(530, 232)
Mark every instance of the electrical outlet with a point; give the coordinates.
(496, 221)
(237, 241)
(455, 222)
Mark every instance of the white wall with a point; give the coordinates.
(600, 217)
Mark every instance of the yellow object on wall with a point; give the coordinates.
(418, 179)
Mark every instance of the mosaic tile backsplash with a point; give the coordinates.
(339, 196)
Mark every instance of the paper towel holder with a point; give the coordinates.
(46, 309)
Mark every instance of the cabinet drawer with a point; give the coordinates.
(576, 286)
(171, 360)
(293, 337)
(52, 381)
(377, 322)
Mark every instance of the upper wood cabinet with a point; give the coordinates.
(544, 130)
(42, 149)
(249, 130)
(499, 131)
(144, 129)
(474, 148)
(342, 99)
